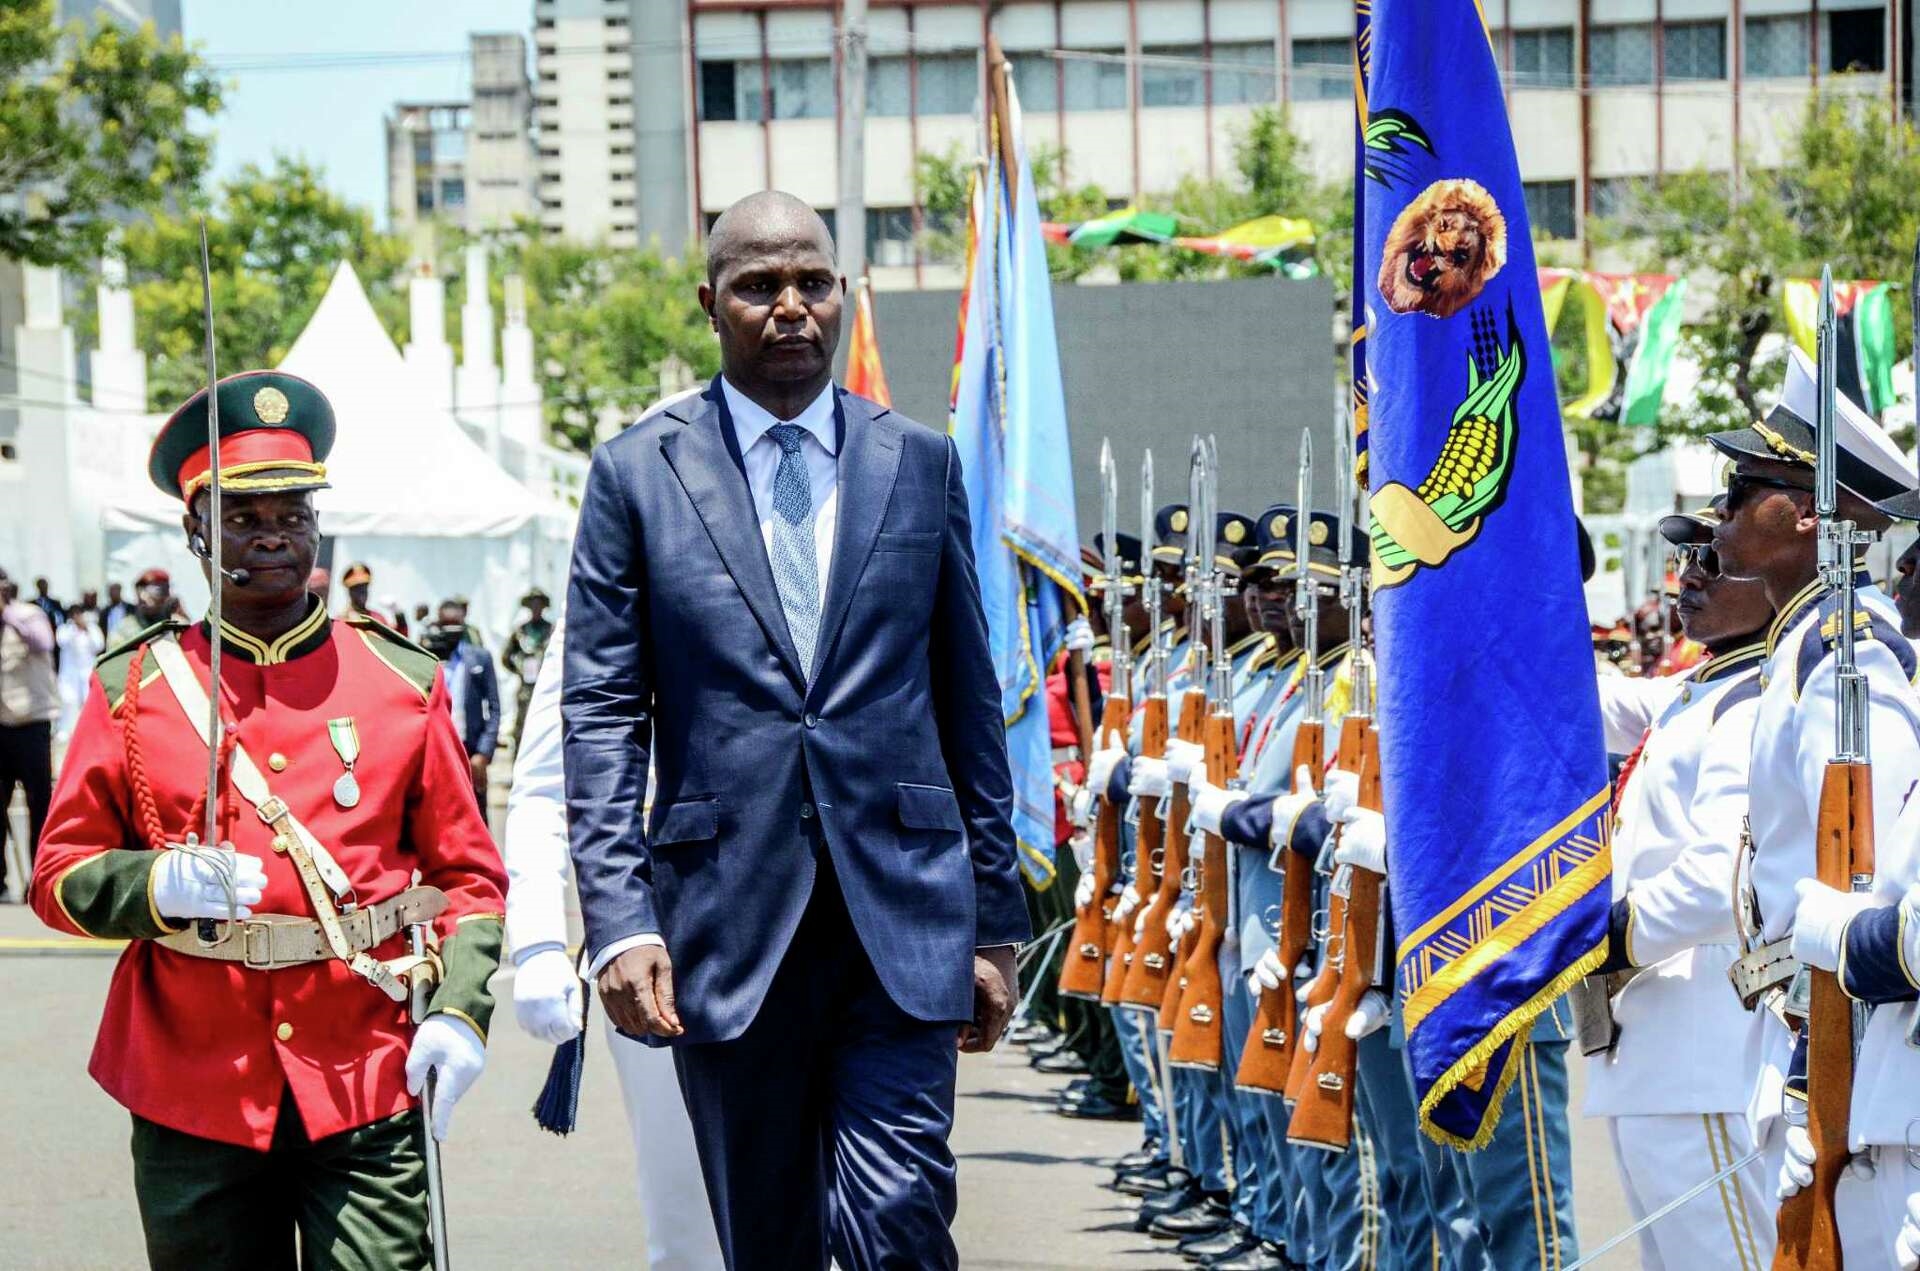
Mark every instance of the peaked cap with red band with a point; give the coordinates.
(276, 431)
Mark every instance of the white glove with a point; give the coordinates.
(1209, 806)
(1181, 920)
(1081, 844)
(1369, 1017)
(1316, 1019)
(1288, 807)
(1100, 767)
(1080, 806)
(1149, 777)
(1183, 757)
(1907, 1247)
(189, 884)
(1796, 1170)
(546, 995)
(455, 1054)
(1267, 974)
(1363, 840)
(1128, 902)
(1079, 636)
(1083, 892)
(1820, 919)
(1342, 792)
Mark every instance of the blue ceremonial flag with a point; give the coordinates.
(1495, 780)
(1010, 427)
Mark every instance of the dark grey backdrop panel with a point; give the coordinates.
(1150, 364)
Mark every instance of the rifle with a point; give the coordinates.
(1197, 1015)
(1807, 1227)
(1200, 552)
(1323, 1115)
(1153, 744)
(1083, 974)
(1267, 1058)
(1150, 979)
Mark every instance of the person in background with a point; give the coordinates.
(79, 641)
(526, 650)
(29, 702)
(117, 610)
(420, 613)
(43, 601)
(153, 604)
(472, 690)
(391, 604)
(358, 580)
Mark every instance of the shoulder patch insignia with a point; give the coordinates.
(408, 660)
(111, 665)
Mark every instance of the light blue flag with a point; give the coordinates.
(1010, 427)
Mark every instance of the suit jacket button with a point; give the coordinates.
(806, 812)
(812, 720)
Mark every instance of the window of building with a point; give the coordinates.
(1777, 47)
(945, 84)
(1258, 82)
(1036, 78)
(1694, 50)
(453, 192)
(1177, 79)
(543, 24)
(1543, 59)
(549, 77)
(1856, 40)
(618, 202)
(616, 21)
(719, 98)
(550, 152)
(890, 235)
(1322, 70)
(1550, 208)
(423, 150)
(1621, 54)
(422, 202)
(1095, 79)
(625, 99)
(887, 86)
(620, 72)
(619, 150)
(802, 89)
(832, 220)
(1613, 196)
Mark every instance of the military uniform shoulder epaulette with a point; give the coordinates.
(1821, 636)
(1745, 689)
(111, 665)
(409, 661)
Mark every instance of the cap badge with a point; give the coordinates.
(1317, 533)
(1178, 520)
(1235, 532)
(1279, 527)
(271, 405)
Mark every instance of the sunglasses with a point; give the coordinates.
(1740, 484)
(1700, 556)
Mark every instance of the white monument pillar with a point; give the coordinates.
(43, 345)
(520, 400)
(428, 355)
(477, 387)
(119, 368)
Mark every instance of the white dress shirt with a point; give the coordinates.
(820, 450)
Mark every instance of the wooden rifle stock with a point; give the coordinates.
(1807, 1228)
(1326, 980)
(1153, 952)
(1267, 1057)
(1323, 1117)
(1084, 972)
(1197, 1015)
(1153, 743)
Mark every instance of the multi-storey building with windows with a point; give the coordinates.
(1136, 94)
(470, 163)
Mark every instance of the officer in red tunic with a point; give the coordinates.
(256, 1026)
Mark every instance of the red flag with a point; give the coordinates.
(865, 375)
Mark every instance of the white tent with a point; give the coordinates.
(413, 495)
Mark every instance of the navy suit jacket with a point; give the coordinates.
(894, 751)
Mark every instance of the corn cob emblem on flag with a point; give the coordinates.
(1494, 768)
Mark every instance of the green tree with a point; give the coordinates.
(274, 237)
(92, 121)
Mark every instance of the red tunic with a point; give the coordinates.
(208, 1047)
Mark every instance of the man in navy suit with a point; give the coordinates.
(773, 602)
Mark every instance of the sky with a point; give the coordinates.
(287, 91)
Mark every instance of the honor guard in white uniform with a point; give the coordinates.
(548, 993)
(1770, 532)
(1663, 1035)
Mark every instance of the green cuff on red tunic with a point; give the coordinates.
(110, 896)
(468, 958)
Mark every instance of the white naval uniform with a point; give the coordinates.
(1792, 742)
(673, 1196)
(1672, 1089)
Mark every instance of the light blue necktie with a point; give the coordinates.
(796, 570)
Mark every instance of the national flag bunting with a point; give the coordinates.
(865, 375)
(1865, 354)
(1495, 781)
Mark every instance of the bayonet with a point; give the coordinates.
(1306, 600)
(1154, 672)
(1117, 587)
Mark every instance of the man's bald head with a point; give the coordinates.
(769, 221)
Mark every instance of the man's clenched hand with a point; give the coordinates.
(637, 990)
(993, 997)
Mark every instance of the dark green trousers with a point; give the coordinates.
(356, 1201)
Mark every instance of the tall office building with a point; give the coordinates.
(470, 163)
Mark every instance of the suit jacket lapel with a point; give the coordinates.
(700, 456)
(869, 462)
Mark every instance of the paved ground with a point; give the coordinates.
(1030, 1181)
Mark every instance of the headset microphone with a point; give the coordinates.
(238, 577)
